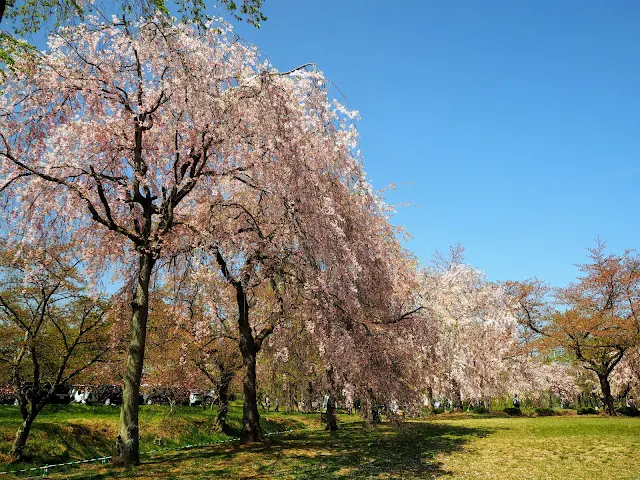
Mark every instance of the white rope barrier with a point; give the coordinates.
(44, 470)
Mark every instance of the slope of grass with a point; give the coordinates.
(64, 433)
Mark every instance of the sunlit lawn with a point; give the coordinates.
(465, 446)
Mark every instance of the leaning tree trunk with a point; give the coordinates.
(251, 431)
(17, 449)
(607, 398)
(127, 445)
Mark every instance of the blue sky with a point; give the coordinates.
(512, 127)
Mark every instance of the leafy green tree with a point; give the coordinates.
(29, 16)
(52, 331)
(26, 17)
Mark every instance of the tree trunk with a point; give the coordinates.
(251, 431)
(373, 414)
(223, 401)
(308, 407)
(127, 445)
(606, 394)
(457, 397)
(332, 419)
(17, 450)
(430, 399)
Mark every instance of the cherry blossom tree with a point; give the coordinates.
(166, 369)
(290, 364)
(116, 131)
(365, 317)
(625, 378)
(278, 228)
(472, 350)
(205, 314)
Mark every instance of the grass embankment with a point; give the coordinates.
(64, 433)
(448, 446)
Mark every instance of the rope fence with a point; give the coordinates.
(44, 470)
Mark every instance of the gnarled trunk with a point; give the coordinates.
(607, 398)
(127, 445)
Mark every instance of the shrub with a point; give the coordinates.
(587, 411)
(512, 411)
(565, 411)
(629, 411)
(436, 411)
(545, 412)
(480, 410)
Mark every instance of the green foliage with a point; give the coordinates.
(629, 411)
(587, 411)
(249, 9)
(11, 50)
(545, 412)
(29, 16)
(480, 410)
(512, 411)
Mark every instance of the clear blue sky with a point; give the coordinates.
(513, 127)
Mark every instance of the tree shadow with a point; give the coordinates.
(51, 443)
(410, 450)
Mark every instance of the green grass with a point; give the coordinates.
(64, 433)
(446, 446)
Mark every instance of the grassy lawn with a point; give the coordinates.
(464, 446)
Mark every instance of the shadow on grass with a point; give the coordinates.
(406, 451)
(75, 432)
(52, 443)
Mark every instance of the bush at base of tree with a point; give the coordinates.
(480, 410)
(512, 411)
(587, 411)
(629, 411)
(545, 412)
